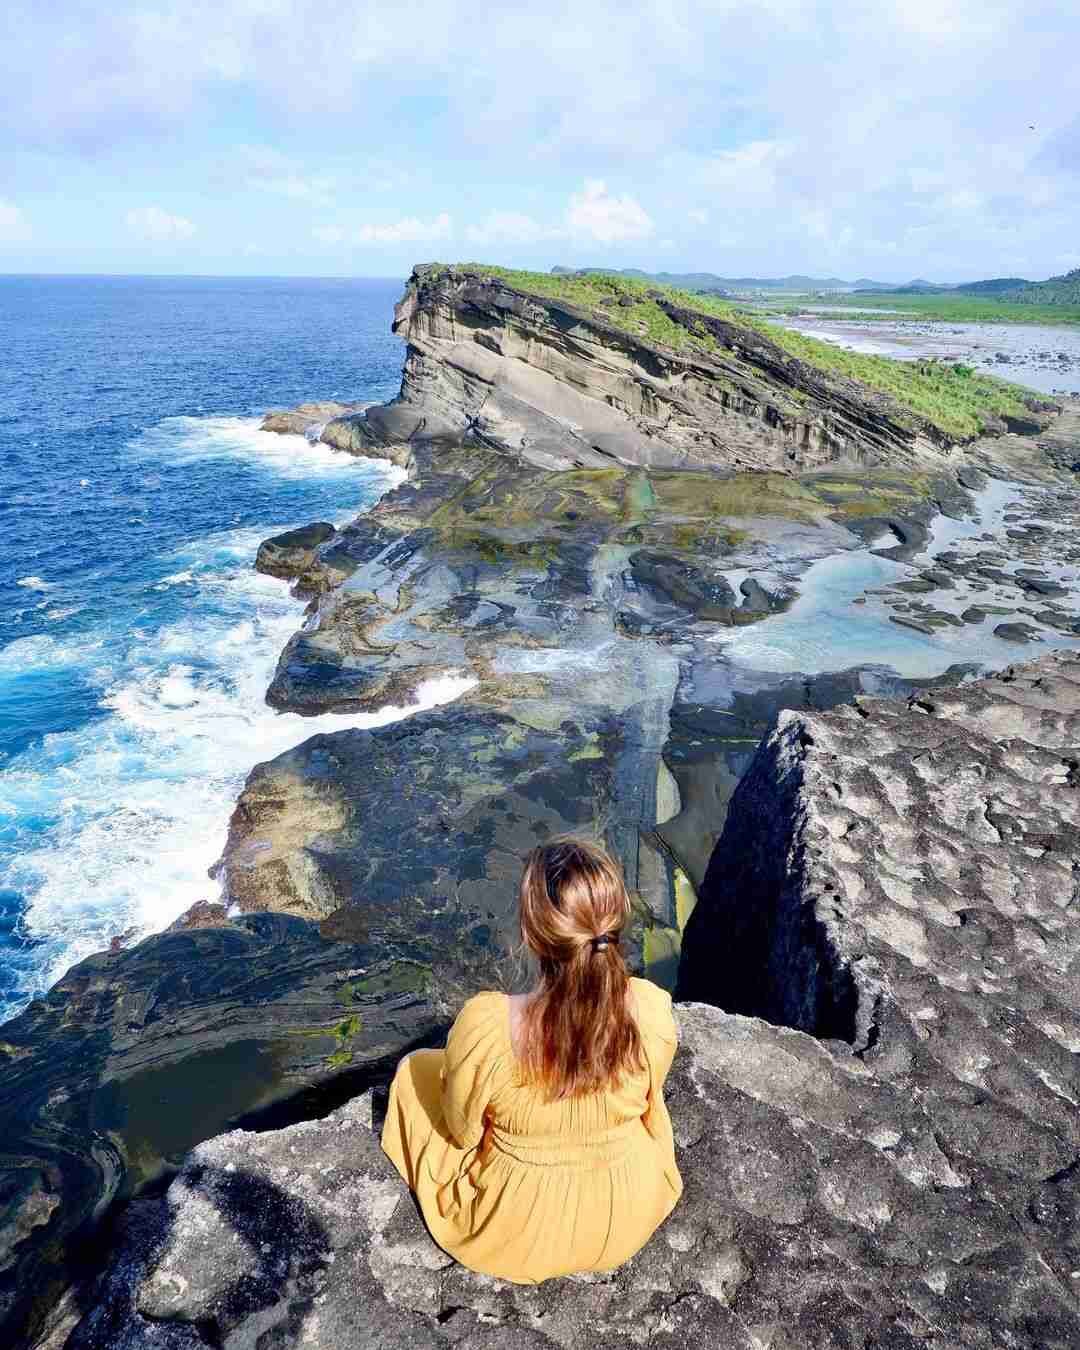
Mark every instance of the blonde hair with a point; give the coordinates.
(578, 1034)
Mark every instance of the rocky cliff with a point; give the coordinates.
(566, 386)
(585, 612)
(891, 1160)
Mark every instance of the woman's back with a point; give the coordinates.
(522, 1186)
(537, 1143)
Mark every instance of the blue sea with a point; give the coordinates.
(136, 641)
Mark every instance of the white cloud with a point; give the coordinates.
(267, 170)
(408, 230)
(14, 227)
(696, 216)
(157, 226)
(512, 227)
(866, 116)
(594, 213)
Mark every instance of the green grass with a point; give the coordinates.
(944, 308)
(954, 399)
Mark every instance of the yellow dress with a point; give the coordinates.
(522, 1188)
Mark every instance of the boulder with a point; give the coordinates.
(901, 877)
(820, 1211)
(291, 554)
(304, 419)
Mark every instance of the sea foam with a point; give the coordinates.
(139, 800)
(110, 827)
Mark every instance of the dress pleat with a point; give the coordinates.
(522, 1188)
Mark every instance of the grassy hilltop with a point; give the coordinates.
(958, 401)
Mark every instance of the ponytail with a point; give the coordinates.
(578, 1034)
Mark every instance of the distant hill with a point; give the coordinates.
(1063, 290)
(709, 281)
(1000, 286)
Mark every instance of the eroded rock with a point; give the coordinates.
(820, 1210)
(565, 388)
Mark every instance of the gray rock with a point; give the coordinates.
(306, 418)
(820, 1210)
(290, 554)
(565, 388)
(1016, 632)
(902, 877)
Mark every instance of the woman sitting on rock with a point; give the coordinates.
(538, 1143)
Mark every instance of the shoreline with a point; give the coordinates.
(581, 584)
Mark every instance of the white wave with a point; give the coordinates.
(40, 652)
(63, 612)
(140, 799)
(187, 439)
(34, 583)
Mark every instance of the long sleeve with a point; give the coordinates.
(474, 1067)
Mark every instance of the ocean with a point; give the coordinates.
(136, 641)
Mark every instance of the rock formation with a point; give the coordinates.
(557, 384)
(891, 1159)
(135, 1056)
(820, 1210)
(870, 1165)
(308, 419)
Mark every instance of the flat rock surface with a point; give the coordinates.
(821, 1209)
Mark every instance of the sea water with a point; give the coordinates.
(136, 641)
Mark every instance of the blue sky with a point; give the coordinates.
(884, 138)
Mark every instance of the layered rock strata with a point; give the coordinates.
(583, 604)
(557, 384)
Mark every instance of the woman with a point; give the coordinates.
(537, 1142)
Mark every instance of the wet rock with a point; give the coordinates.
(135, 1056)
(290, 554)
(306, 418)
(919, 625)
(756, 597)
(1035, 586)
(1016, 632)
(938, 578)
(973, 614)
(690, 586)
(472, 790)
(203, 914)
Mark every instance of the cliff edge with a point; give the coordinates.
(572, 372)
(907, 1178)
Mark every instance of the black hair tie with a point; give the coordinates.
(599, 943)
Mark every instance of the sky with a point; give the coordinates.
(879, 138)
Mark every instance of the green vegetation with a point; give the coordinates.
(343, 1034)
(952, 398)
(946, 306)
(1063, 290)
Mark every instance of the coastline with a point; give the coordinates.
(605, 615)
